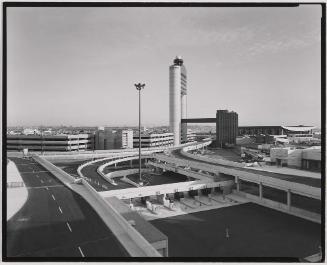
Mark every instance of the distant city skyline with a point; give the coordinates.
(77, 66)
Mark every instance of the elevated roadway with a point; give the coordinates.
(164, 189)
(308, 187)
(314, 182)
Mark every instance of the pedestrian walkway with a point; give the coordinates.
(16, 191)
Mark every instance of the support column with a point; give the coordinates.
(260, 190)
(237, 180)
(289, 199)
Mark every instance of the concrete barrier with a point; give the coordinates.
(126, 172)
(56, 171)
(79, 169)
(127, 180)
(163, 189)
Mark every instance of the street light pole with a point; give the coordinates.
(42, 151)
(139, 86)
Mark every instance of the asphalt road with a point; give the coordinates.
(298, 179)
(56, 222)
(253, 231)
(98, 182)
(165, 178)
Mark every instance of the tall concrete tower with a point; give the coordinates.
(177, 100)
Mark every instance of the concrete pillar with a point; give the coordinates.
(260, 190)
(289, 199)
(216, 177)
(237, 180)
(115, 165)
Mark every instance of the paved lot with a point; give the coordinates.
(254, 231)
(56, 222)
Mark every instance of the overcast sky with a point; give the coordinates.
(78, 66)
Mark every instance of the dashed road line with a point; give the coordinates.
(80, 250)
(46, 188)
(53, 197)
(60, 209)
(42, 181)
(37, 176)
(70, 229)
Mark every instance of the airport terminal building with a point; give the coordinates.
(275, 130)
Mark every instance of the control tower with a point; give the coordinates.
(177, 100)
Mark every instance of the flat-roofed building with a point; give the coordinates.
(191, 137)
(307, 159)
(127, 138)
(226, 127)
(153, 140)
(275, 130)
(78, 142)
(108, 138)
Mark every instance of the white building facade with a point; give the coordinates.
(154, 140)
(127, 138)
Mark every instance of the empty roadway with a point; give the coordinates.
(56, 222)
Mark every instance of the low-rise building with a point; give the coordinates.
(79, 142)
(154, 140)
(190, 136)
(308, 159)
(108, 138)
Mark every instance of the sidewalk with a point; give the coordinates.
(16, 191)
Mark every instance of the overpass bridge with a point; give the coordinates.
(243, 176)
(165, 189)
(238, 174)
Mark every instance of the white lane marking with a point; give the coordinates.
(60, 209)
(37, 176)
(47, 188)
(80, 250)
(69, 227)
(41, 181)
(53, 197)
